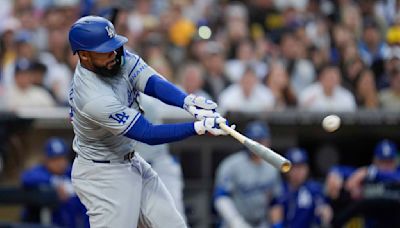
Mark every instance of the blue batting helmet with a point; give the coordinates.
(93, 33)
(385, 149)
(55, 147)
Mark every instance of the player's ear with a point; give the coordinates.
(83, 55)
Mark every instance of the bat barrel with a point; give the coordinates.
(265, 153)
(269, 155)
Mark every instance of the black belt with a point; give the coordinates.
(127, 157)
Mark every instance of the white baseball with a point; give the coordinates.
(331, 123)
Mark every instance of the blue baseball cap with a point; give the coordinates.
(385, 150)
(23, 64)
(55, 147)
(257, 130)
(297, 155)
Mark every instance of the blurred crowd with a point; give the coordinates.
(249, 56)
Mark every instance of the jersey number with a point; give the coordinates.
(121, 118)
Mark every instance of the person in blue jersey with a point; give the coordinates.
(302, 203)
(116, 185)
(375, 189)
(55, 173)
(384, 169)
(245, 184)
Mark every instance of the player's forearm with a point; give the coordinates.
(165, 91)
(324, 212)
(148, 133)
(226, 208)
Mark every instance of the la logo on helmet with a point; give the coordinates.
(110, 31)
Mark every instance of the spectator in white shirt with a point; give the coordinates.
(191, 79)
(24, 93)
(247, 95)
(327, 95)
(390, 97)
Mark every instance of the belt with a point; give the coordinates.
(127, 157)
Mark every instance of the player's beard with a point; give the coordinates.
(106, 72)
(115, 69)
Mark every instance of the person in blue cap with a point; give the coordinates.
(245, 184)
(372, 187)
(383, 169)
(302, 203)
(55, 172)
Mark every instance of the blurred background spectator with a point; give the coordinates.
(277, 81)
(248, 95)
(366, 94)
(191, 79)
(327, 94)
(214, 62)
(390, 97)
(24, 92)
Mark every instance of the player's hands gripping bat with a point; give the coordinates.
(211, 125)
(200, 107)
(265, 153)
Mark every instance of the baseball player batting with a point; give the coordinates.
(114, 183)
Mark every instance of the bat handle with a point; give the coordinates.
(241, 138)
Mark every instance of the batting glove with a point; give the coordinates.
(210, 125)
(201, 114)
(200, 107)
(199, 102)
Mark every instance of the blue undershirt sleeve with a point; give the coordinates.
(220, 191)
(165, 91)
(148, 133)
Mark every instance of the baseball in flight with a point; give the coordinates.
(331, 123)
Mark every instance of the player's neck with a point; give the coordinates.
(87, 66)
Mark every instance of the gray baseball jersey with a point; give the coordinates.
(249, 185)
(154, 111)
(103, 109)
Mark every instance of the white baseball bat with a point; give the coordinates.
(265, 153)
